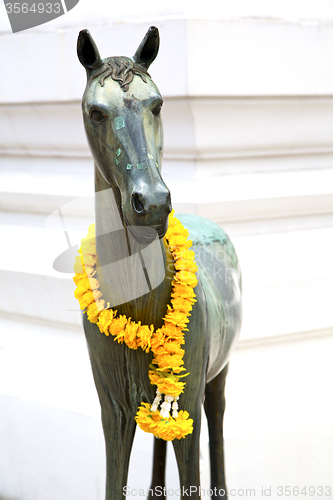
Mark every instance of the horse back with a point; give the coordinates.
(219, 303)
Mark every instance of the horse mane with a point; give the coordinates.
(121, 69)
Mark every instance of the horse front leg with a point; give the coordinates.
(214, 409)
(156, 490)
(187, 452)
(119, 429)
(117, 405)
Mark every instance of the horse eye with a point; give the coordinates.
(97, 117)
(156, 111)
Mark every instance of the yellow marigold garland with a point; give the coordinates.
(165, 343)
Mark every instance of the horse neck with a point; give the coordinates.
(120, 260)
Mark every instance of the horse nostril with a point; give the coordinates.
(137, 203)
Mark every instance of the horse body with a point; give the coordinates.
(123, 127)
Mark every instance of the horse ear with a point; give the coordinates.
(148, 48)
(87, 51)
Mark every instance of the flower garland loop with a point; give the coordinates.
(165, 343)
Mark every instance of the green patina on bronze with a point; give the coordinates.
(119, 122)
(142, 165)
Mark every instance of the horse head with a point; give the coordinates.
(121, 111)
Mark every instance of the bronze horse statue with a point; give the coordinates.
(121, 111)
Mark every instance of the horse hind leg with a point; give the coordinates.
(157, 490)
(214, 408)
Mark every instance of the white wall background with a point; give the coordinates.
(249, 144)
